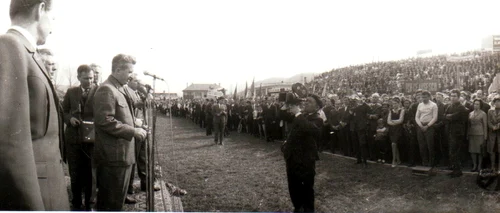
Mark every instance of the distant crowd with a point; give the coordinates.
(472, 71)
(370, 118)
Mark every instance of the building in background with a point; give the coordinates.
(197, 91)
(165, 96)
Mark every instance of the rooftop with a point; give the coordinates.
(197, 87)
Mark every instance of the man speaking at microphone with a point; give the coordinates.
(138, 94)
(114, 151)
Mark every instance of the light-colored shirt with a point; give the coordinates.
(26, 34)
(426, 113)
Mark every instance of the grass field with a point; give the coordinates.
(247, 174)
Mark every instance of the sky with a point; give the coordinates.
(233, 41)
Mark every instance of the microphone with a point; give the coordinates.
(152, 75)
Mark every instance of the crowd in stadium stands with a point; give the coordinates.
(470, 73)
(368, 115)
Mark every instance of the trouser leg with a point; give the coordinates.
(112, 183)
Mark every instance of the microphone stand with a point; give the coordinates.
(150, 113)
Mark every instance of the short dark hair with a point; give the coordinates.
(425, 92)
(84, 69)
(120, 60)
(480, 102)
(24, 7)
(456, 91)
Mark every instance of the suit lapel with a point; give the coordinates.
(38, 61)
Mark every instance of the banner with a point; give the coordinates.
(422, 52)
(460, 58)
(496, 43)
(429, 85)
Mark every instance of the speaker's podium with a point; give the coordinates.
(423, 171)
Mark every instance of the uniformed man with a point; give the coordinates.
(300, 150)
(78, 107)
(114, 150)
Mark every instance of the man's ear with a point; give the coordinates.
(40, 10)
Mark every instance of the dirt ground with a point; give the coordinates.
(248, 174)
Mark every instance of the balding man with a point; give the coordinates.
(97, 73)
(31, 166)
(48, 60)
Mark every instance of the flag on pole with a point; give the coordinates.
(235, 91)
(260, 90)
(323, 94)
(314, 87)
(246, 89)
(252, 89)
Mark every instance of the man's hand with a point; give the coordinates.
(138, 122)
(140, 134)
(74, 122)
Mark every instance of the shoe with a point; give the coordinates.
(156, 187)
(179, 192)
(473, 170)
(393, 165)
(383, 161)
(130, 200)
(411, 165)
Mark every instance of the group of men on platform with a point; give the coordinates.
(32, 117)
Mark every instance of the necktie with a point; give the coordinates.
(85, 94)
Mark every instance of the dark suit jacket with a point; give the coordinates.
(334, 117)
(31, 169)
(73, 106)
(360, 118)
(219, 113)
(376, 110)
(300, 146)
(114, 125)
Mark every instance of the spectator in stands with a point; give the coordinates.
(477, 133)
(425, 117)
(381, 141)
(494, 127)
(395, 120)
(456, 117)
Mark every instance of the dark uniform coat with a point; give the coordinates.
(114, 149)
(31, 167)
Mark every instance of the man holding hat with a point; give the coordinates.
(219, 112)
(300, 150)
